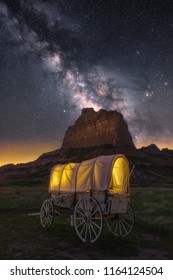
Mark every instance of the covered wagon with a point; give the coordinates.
(97, 191)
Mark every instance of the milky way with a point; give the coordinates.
(61, 56)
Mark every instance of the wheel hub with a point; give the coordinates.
(87, 219)
(45, 213)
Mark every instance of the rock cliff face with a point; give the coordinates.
(98, 128)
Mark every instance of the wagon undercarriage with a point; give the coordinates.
(88, 218)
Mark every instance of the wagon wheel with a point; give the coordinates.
(88, 220)
(121, 224)
(47, 214)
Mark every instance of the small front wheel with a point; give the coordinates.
(88, 220)
(47, 213)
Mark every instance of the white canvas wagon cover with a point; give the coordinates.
(98, 174)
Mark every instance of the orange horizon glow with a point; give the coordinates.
(23, 152)
(26, 152)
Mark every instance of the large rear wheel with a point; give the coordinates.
(121, 225)
(88, 219)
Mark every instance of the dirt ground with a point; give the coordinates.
(22, 237)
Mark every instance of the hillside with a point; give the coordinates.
(149, 166)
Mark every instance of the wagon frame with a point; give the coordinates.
(96, 192)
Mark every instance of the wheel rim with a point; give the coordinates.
(46, 214)
(121, 224)
(88, 221)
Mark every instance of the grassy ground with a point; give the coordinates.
(22, 237)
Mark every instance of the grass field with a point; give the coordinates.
(22, 237)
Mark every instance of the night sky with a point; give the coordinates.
(59, 56)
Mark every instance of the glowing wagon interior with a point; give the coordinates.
(104, 173)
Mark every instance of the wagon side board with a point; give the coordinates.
(109, 203)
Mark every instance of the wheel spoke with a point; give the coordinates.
(85, 207)
(125, 222)
(81, 224)
(95, 224)
(116, 227)
(91, 208)
(114, 222)
(81, 206)
(119, 228)
(83, 228)
(80, 213)
(46, 207)
(93, 229)
(92, 214)
(49, 219)
(90, 235)
(123, 226)
(42, 213)
(127, 217)
(86, 231)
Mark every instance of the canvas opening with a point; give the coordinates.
(120, 177)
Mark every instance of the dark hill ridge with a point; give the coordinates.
(148, 167)
(151, 164)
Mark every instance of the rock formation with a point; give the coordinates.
(98, 128)
(94, 134)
